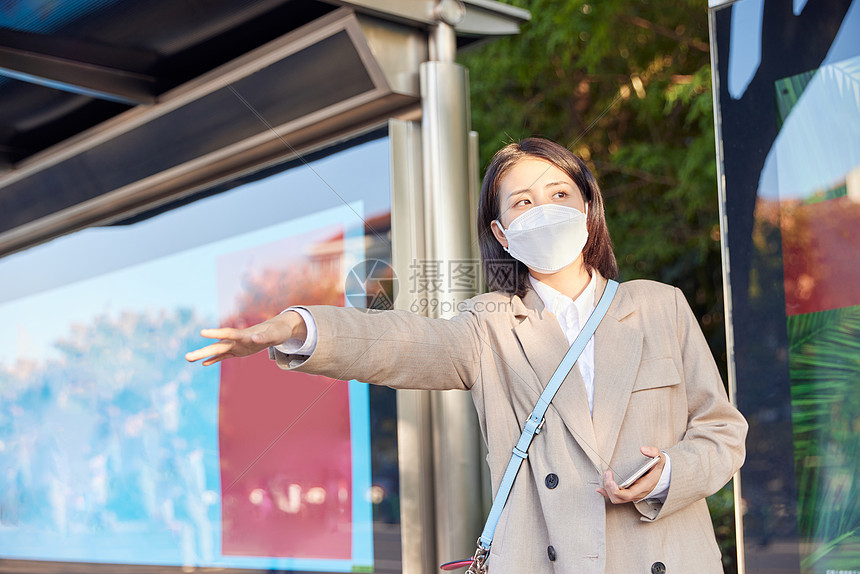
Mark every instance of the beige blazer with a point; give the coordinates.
(655, 383)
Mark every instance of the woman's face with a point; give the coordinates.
(529, 183)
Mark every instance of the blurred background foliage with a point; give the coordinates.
(626, 85)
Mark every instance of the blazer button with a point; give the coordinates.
(550, 552)
(658, 568)
(551, 480)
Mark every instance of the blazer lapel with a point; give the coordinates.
(545, 344)
(617, 353)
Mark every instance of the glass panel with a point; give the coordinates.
(789, 105)
(113, 449)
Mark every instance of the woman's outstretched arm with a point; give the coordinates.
(394, 348)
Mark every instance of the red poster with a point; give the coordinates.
(820, 243)
(286, 467)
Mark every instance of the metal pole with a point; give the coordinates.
(414, 414)
(445, 150)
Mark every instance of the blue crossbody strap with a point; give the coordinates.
(536, 418)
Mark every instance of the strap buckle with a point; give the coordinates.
(535, 421)
(479, 561)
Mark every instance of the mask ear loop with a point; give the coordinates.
(503, 230)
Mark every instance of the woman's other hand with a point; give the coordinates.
(243, 342)
(639, 489)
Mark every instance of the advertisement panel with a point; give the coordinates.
(114, 449)
(788, 98)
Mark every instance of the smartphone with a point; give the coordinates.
(640, 472)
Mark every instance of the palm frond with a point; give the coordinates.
(824, 362)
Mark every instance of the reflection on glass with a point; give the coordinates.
(113, 449)
(807, 202)
(791, 151)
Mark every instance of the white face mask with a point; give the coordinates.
(547, 238)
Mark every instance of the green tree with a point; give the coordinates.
(625, 84)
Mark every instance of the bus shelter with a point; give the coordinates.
(166, 166)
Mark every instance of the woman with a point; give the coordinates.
(646, 383)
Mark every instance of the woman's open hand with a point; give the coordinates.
(639, 489)
(243, 342)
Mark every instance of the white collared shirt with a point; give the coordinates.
(297, 346)
(571, 316)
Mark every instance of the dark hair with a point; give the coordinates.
(597, 253)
